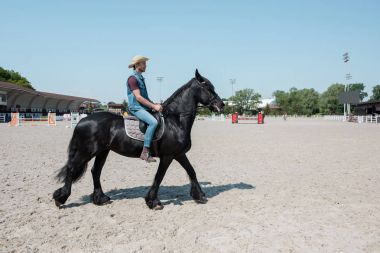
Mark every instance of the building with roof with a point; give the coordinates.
(115, 108)
(268, 102)
(14, 98)
(368, 108)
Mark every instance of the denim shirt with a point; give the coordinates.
(133, 104)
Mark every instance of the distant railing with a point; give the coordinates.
(334, 117)
(2, 118)
(368, 119)
(293, 117)
(357, 119)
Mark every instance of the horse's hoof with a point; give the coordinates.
(58, 204)
(202, 200)
(60, 196)
(103, 203)
(198, 196)
(154, 204)
(101, 200)
(158, 207)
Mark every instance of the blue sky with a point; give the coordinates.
(83, 47)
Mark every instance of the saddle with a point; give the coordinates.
(136, 128)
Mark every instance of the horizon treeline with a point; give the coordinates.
(310, 102)
(296, 101)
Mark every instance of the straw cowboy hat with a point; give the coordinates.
(137, 59)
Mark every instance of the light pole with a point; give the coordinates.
(348, 77)
(160, 79)
(232, 82)
(346, 59)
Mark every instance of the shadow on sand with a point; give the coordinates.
(168, 194)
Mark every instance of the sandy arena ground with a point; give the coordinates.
(303, 185)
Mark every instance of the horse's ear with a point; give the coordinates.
(198, 76)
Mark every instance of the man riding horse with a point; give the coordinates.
(102, 132)
(139, 103)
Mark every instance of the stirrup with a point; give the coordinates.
(147, 157)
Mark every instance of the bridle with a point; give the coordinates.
(192, 112)
(213, 96)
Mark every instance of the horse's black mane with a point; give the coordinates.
(177, 92)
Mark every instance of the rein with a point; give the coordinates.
(191, 112)
(181, 114)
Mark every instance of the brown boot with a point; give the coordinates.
(145, 155)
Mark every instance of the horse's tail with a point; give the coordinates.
(77, 169)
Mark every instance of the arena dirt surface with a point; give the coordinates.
(304, 185)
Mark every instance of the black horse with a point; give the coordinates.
(97, 134)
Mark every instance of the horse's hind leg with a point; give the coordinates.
(71, 172)
(62, 194)
(98, 197)
(196, 191)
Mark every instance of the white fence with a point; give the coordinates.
(220, 117)
(367, 119)
(357, 119)
(2, 118)
(72, 119)
(282, 117)
(334, 117)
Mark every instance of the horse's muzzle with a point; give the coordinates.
(217, 106)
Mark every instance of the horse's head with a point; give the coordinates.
(206, 94)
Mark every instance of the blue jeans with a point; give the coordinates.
(152, 125)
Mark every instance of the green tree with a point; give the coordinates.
(309, 101)
(295, 101)
(15, 78)
(376, 93)
(267, 110)
(329, 103)
(301, 102)
(125, 106)
(359, 87)
(246, 100)
(203, 111)
(228, 109)
(282, 100)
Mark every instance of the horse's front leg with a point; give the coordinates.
(196, 191)
(151, 198)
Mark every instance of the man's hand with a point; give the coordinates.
(157, 107)
(146, 102)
